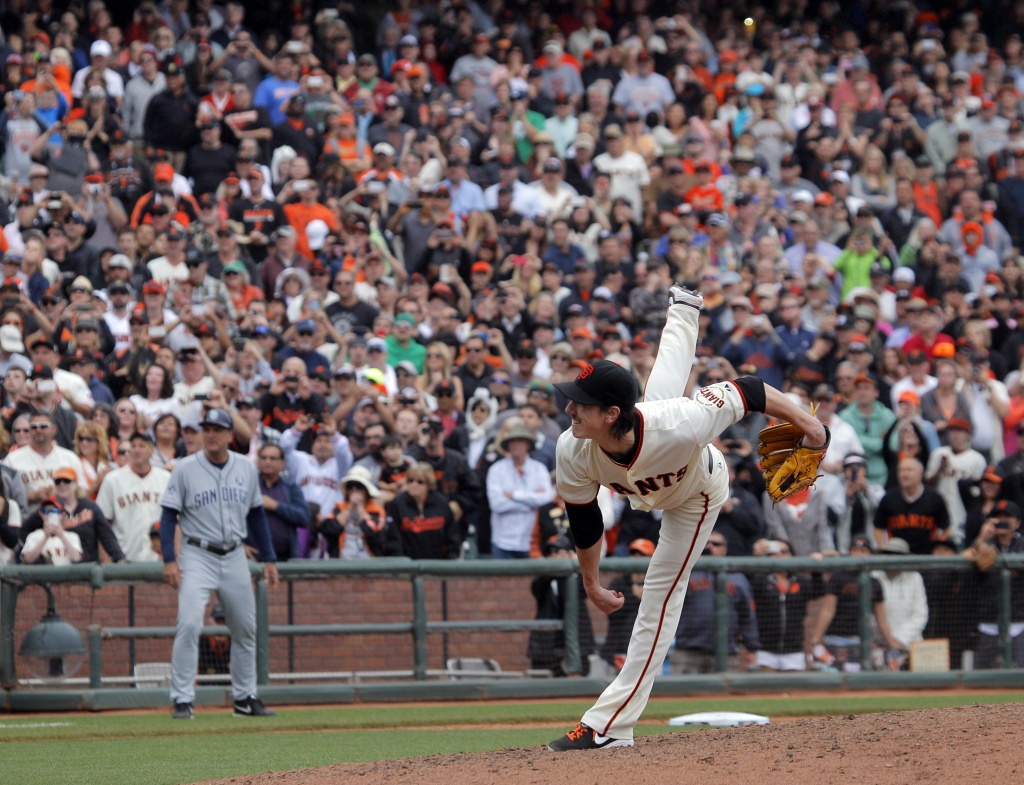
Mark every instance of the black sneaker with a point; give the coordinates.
(182, 711)
(583, 737)
(252, 707)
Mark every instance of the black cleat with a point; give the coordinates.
(583, 737)
(182, 711)
(252, 707)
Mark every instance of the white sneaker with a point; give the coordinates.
(680, 294)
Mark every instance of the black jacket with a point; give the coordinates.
(780, 614)
(170, 120)
(427, 533)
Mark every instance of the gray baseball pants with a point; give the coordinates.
(201, 573)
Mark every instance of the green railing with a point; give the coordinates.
(420, 626)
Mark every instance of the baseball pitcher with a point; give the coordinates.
(658, 454)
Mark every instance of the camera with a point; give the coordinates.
(238, 343)
(54, 204)
(95, 189)
(291, 379)
(202, 397)
(377, 187)
(1001, 526)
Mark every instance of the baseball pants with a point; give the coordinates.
(201, 573)
(684, 532)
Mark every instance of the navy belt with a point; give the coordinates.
(218, 548)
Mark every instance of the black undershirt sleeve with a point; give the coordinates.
(752, 389)
(586, 523)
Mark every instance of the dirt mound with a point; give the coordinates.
(964, 744)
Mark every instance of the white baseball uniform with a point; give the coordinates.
(132, 505)
(676, 469)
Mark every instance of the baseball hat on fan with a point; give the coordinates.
(603, 384)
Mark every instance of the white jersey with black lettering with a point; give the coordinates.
(673, 460)
(132, 505)
(674, 468)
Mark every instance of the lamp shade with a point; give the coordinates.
(52, 637)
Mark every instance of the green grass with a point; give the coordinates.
(151, 748)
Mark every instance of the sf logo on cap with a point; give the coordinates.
(585, 372)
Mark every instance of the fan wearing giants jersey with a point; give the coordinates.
(37, 461)
(318, 475)
(129, 497)
(658, 454)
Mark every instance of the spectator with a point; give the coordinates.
(802, 520)
(517, 486)
(318, 473)
(356, 527)
(911, 512)
(169, 122)
(286, 508)
(870, 419)
(77, 516)
(51, 544)
(695, 650)
(837, 627)
(999, 534)
(420, 522)
(906, 604)
(546, 648)
(950, 600)
(39, 460)
(781, 601)
(948, 466)
(92, 445)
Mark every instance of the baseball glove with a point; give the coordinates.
(787, 464)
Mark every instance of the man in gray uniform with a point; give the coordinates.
(215, 496)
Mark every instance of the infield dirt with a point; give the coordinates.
(963, 744)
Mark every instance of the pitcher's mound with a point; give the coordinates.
(965, 744)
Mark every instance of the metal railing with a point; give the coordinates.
(419, 626)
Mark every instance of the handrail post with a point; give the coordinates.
(571, 626)
(262, 633)
(721, 622)
(1005, 617)
(419, 628)
(8, 607)
(865, 615)
(94, 641)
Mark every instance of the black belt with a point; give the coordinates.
(219, 548)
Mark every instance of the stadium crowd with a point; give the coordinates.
(379, 240)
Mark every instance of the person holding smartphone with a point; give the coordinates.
(1000, 534)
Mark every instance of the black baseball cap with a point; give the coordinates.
(603, 384)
